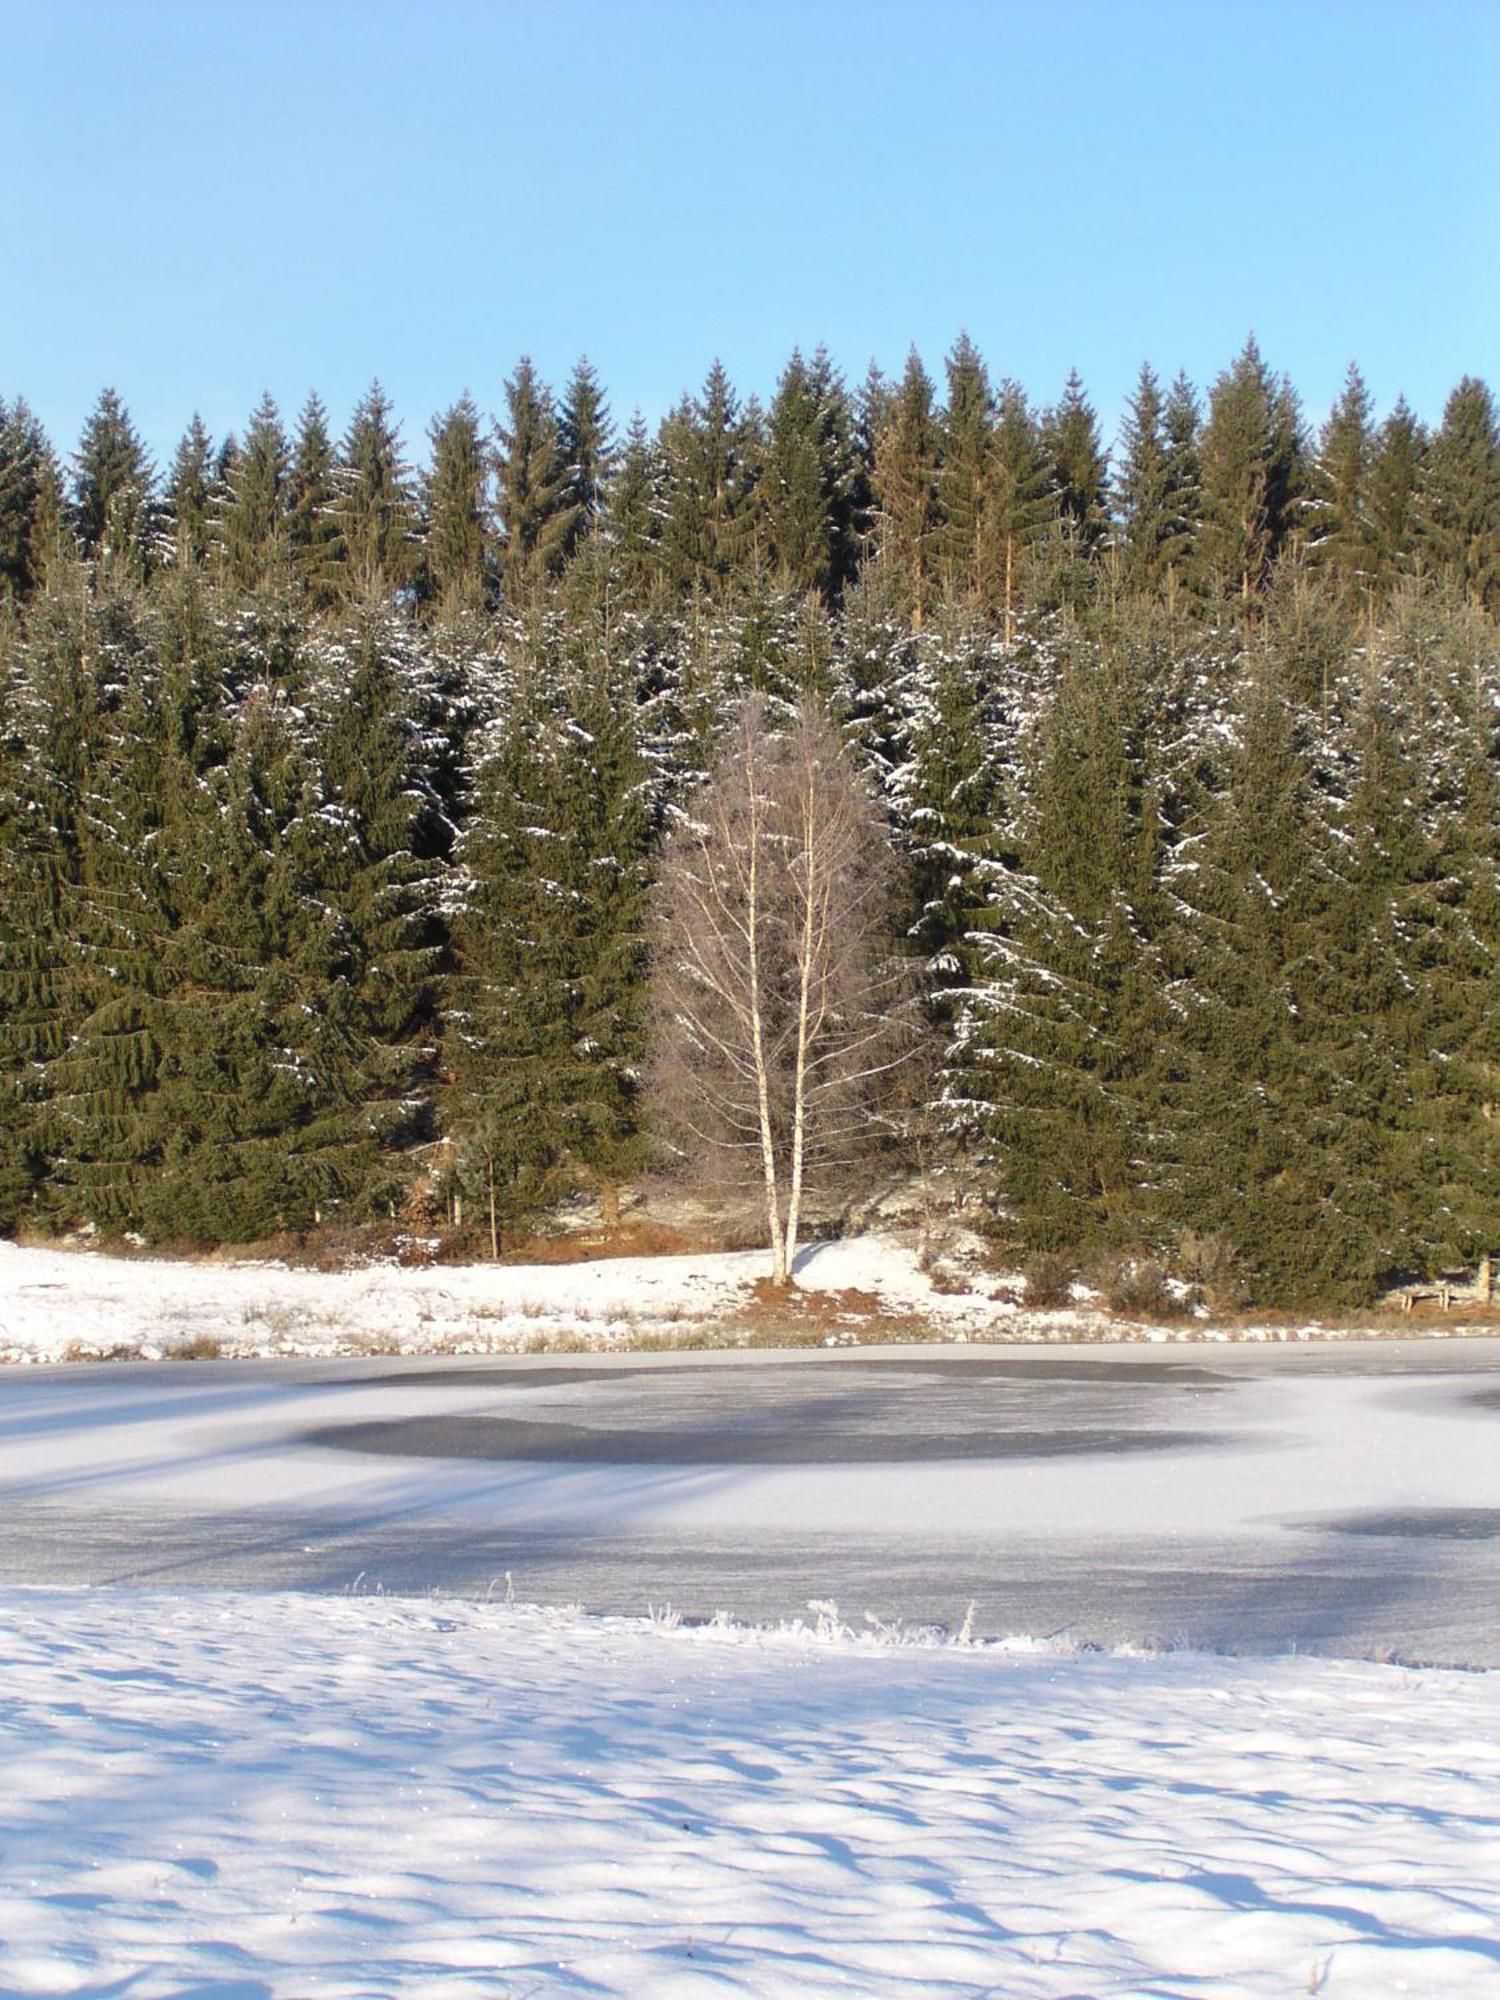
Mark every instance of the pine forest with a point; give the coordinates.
(336, 772)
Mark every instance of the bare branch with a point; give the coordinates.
(780, 1005)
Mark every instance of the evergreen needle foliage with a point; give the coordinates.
(333, 791)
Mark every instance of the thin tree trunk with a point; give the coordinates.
(762, 1079)
(799, 1076)
(489, 1166)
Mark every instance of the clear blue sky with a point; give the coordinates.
(201, 199)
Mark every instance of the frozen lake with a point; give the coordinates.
(1340, 1499)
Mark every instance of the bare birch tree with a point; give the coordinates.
(780, 1006)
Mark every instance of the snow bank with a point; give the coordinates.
(56, 1303)
(288, 1796)
(71, 1304)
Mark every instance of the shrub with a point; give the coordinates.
(1139, 1288)
(1213, 1264)
(1049, 1278)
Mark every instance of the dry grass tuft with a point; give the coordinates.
(195, 1347)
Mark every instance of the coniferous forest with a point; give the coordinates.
(334, 771)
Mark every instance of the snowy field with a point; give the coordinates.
(236, 1797)
(280, 1794)
(69, 1304)
(57, 1303)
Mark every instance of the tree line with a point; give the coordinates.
(965, 494)
(333, 799)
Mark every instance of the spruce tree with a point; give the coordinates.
(29, 502)
(251, 524)
(965, 535)
(367, 694)
(808, 476)
(1461, 496)
(532, 481)
(1079, 465)
(38, 805)
(1395, 488)
(456, 512)
(875, 669)
(1250, 448)
(632, 524)
(102, 1086)
(1342, 535)
(373, 507)
(905, 482)
(709, 452)
(1155, 488)
(585, 438)
(1022, 500)
(544, 1031)
(1182, 422)
(1446, 666)
(112, 490)
(1055, 1069)
(947, 796)
(1267, 1131)
(1140, 494)
(314, 534)
(187, 517)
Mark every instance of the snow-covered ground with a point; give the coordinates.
(243, 1797)
(54, 1303)
(60, 1304)
(231, 1796)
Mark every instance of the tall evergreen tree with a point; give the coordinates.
(374, 751)
(1182, 422)
(1079, 466)
(535, 514)
(907, 458)
(544, 1032)
(1249, 455)
(709, 453)
(252, 509)
(1267, 1130)
(585, 437)
(374, 502)
(966, 532)
(1022, 499)
(29, 502)
(38, 808)
(632, 525)
(187, 512)
(1342, 537)
(112, 488)
(947, 793)
(1461, 495)
(1055, 1067)
(315, 536)
(808, 478)
(1155, 488)
(1395, 487)
(456, 510)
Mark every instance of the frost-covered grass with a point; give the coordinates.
(58, 1304)
(293, 1796)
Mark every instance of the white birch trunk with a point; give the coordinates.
(805, 955)
(762, 1078)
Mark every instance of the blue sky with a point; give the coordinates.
(201, 201)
